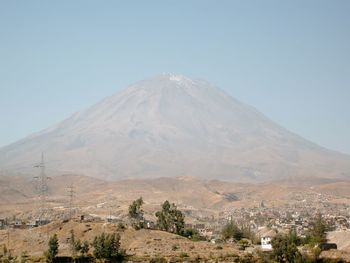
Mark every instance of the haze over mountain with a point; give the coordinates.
(170, 125)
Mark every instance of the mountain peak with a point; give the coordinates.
(177, 77)
(171, 125)
(172, 76)
(166, 80)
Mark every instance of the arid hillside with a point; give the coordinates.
(143, 243)
(19, 196)
(208, 202)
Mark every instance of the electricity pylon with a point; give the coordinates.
(42, 187)
(71, 193)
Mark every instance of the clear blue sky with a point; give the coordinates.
(289, 59)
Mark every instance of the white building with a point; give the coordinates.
(266, 240)
(266, 243)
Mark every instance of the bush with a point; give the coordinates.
(248, 258)
(121, 226)
(243, 244)
(24, 256)
(192, 234)
(231, 230)
(285, 248)
(158, 260)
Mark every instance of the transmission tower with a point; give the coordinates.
(42, 187)
(71, 193)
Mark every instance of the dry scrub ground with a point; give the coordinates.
(140, 244)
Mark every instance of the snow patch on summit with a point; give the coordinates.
(176, 77)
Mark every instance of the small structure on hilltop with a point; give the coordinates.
(38, 222)
(18, 223)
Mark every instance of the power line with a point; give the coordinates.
(8, 238)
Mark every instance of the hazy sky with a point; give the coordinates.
(289, 59)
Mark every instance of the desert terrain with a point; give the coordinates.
(209, 202)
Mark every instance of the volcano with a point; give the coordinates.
(171, 125)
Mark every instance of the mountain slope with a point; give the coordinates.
(173, 126)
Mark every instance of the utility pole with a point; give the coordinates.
(110, 208)
(71, 193)
(42, 186)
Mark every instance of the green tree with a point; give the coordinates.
(75, 244)
(85, 248)
(317, 234)
(52, 251)
(72, 243)
(170, 218)
(285, 248)
(136, 213)
(107, 246)
(163, 217)
(231, 230)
